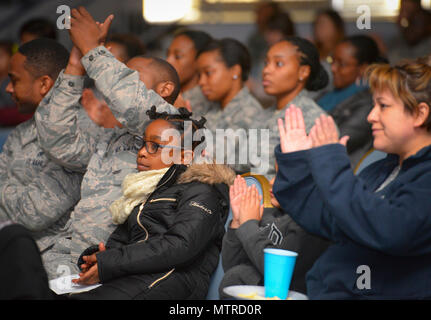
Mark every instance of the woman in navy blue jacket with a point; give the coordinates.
(379, 221)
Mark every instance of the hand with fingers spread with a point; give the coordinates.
(236, 191)
(325, 132)
(250, 207)
(86, 33)
(293, 136)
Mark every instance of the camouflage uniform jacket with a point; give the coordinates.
(35, 191)
(106, 155)
(310, 110)
(242, 112)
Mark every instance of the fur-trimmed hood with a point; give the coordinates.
(208, 173)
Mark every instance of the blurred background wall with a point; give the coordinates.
(220, 18)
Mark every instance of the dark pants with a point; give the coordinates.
(22, 275)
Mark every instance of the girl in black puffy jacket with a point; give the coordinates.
(171, 222)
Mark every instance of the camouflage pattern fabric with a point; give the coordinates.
(106, 155)
(310, 110)
(35, 191)
(242, 112)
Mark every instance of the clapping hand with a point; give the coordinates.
(325, 132)
(292, 133)
(236, 191)
(250, 207)
(86, 33)
(244, 202)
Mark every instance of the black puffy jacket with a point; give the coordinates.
(169, 247)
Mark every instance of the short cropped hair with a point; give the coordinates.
(44, 57)
(409, 81)
(166, 72)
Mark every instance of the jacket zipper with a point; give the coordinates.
(162, 199)
(142, 207)
(161, 278)
(146, 231)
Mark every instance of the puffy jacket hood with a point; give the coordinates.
(208, 173)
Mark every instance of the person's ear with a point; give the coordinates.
(422, 114)
(236, 72)
(165, 88)
(46, 84)
(304, 73)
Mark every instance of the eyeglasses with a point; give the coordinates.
(151, 146)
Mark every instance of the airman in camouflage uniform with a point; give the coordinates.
(106, 158)
(310, 110)
(35, 191)
(242, 112)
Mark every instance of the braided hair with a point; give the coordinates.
(178, 121)
(309, 56)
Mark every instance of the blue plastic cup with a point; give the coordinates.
(278, 270)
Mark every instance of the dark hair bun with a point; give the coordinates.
(318, 82)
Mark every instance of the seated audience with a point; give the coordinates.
(182, 54)
(291, 67)
(350, 102)
(224, 66)
(254, 228)
(379, 222)
(170, 222)
(104, 155)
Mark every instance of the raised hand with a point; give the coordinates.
(325, 132)
(85, 33)
(74, 66)
(292, 133)
(236, 191)
(250, 207)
